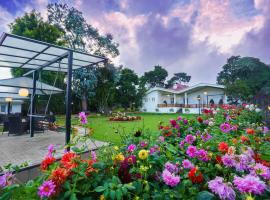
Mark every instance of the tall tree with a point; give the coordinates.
(127, 88)
(33, 26)
(81, 36)
(155, 77)
(104, 97)
(178, 78)
(244, 77)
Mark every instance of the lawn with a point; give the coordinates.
(105, 130)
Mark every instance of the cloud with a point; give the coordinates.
(220, 27)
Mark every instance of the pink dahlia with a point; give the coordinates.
(47, 189)
(249, 184)
(187, 164)
(191, 151)
(170, 179)
(171, 167)
(131, 148)
(6, 179)
(190, 139)
(223, 190)
(228, 160)
(202, 155)
(83, 118)
(225, 128)
(261, 170)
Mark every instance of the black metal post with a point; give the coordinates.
(199, 107)
(207, 100)
(68, 98)
(9, 106)
(33, 103)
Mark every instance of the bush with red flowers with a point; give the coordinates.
(224, 154)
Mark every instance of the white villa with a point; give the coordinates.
(183, 99)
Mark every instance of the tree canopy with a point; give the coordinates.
(81, 36)
(155, 77)
(244, 77)
(181, 77)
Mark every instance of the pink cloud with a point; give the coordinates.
(220, 27)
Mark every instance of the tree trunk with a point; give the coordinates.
(84, 102)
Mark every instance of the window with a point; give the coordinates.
(153, 99)
(3, 108)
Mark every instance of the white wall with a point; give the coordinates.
(150, 102)
(192, 97)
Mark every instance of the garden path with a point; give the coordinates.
(19, 149)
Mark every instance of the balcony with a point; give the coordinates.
(181, 105)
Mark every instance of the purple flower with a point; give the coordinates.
(202, 155)
(177, 126)
(131, 148)
(187, 164)
(249, 184)
(223, 190)
(225, 128)
(50, 150)
(83, 118)
(228, 160)
(205, 137)
(265, 130)
(143, 144)
(171, 167)
(6, 179)
(93, 155)
(46, 189)
(190, 139)
(191, 151)
(198, 133)
(185, 121)
(206, 122)
(190, 129)
(181, 144)
(261, 170)
(242, 162)
(170, 179)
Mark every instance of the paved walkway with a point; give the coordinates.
(18, 149)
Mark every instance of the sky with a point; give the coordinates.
(192, 36)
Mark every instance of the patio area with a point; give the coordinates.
(19, 149)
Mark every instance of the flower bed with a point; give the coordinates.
(123, 117)
(223, 154)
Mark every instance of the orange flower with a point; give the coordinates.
(250, 131)
(90, 168)
(223, 147)
(46, 162)
(243, 139)
(59, 176)
(234, 141)
(69, 160)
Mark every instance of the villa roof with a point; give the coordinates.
(187, 89)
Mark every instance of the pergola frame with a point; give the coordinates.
(68, 53)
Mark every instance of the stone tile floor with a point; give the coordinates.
(18, 149)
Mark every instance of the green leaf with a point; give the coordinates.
(205, 195)
(112, 194)
(73, 197)
(100, 189)
(119, 194)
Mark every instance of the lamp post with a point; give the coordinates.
(9, 100)
(205, 93)
(199, 100)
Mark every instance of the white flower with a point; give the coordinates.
(258, 110)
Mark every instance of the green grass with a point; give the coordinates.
(105, 130)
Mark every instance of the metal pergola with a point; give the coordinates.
(25, 53)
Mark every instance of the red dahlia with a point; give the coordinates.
(223, 147)
(46, 162)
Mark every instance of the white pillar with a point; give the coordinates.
(185, 99)
(174, 99)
